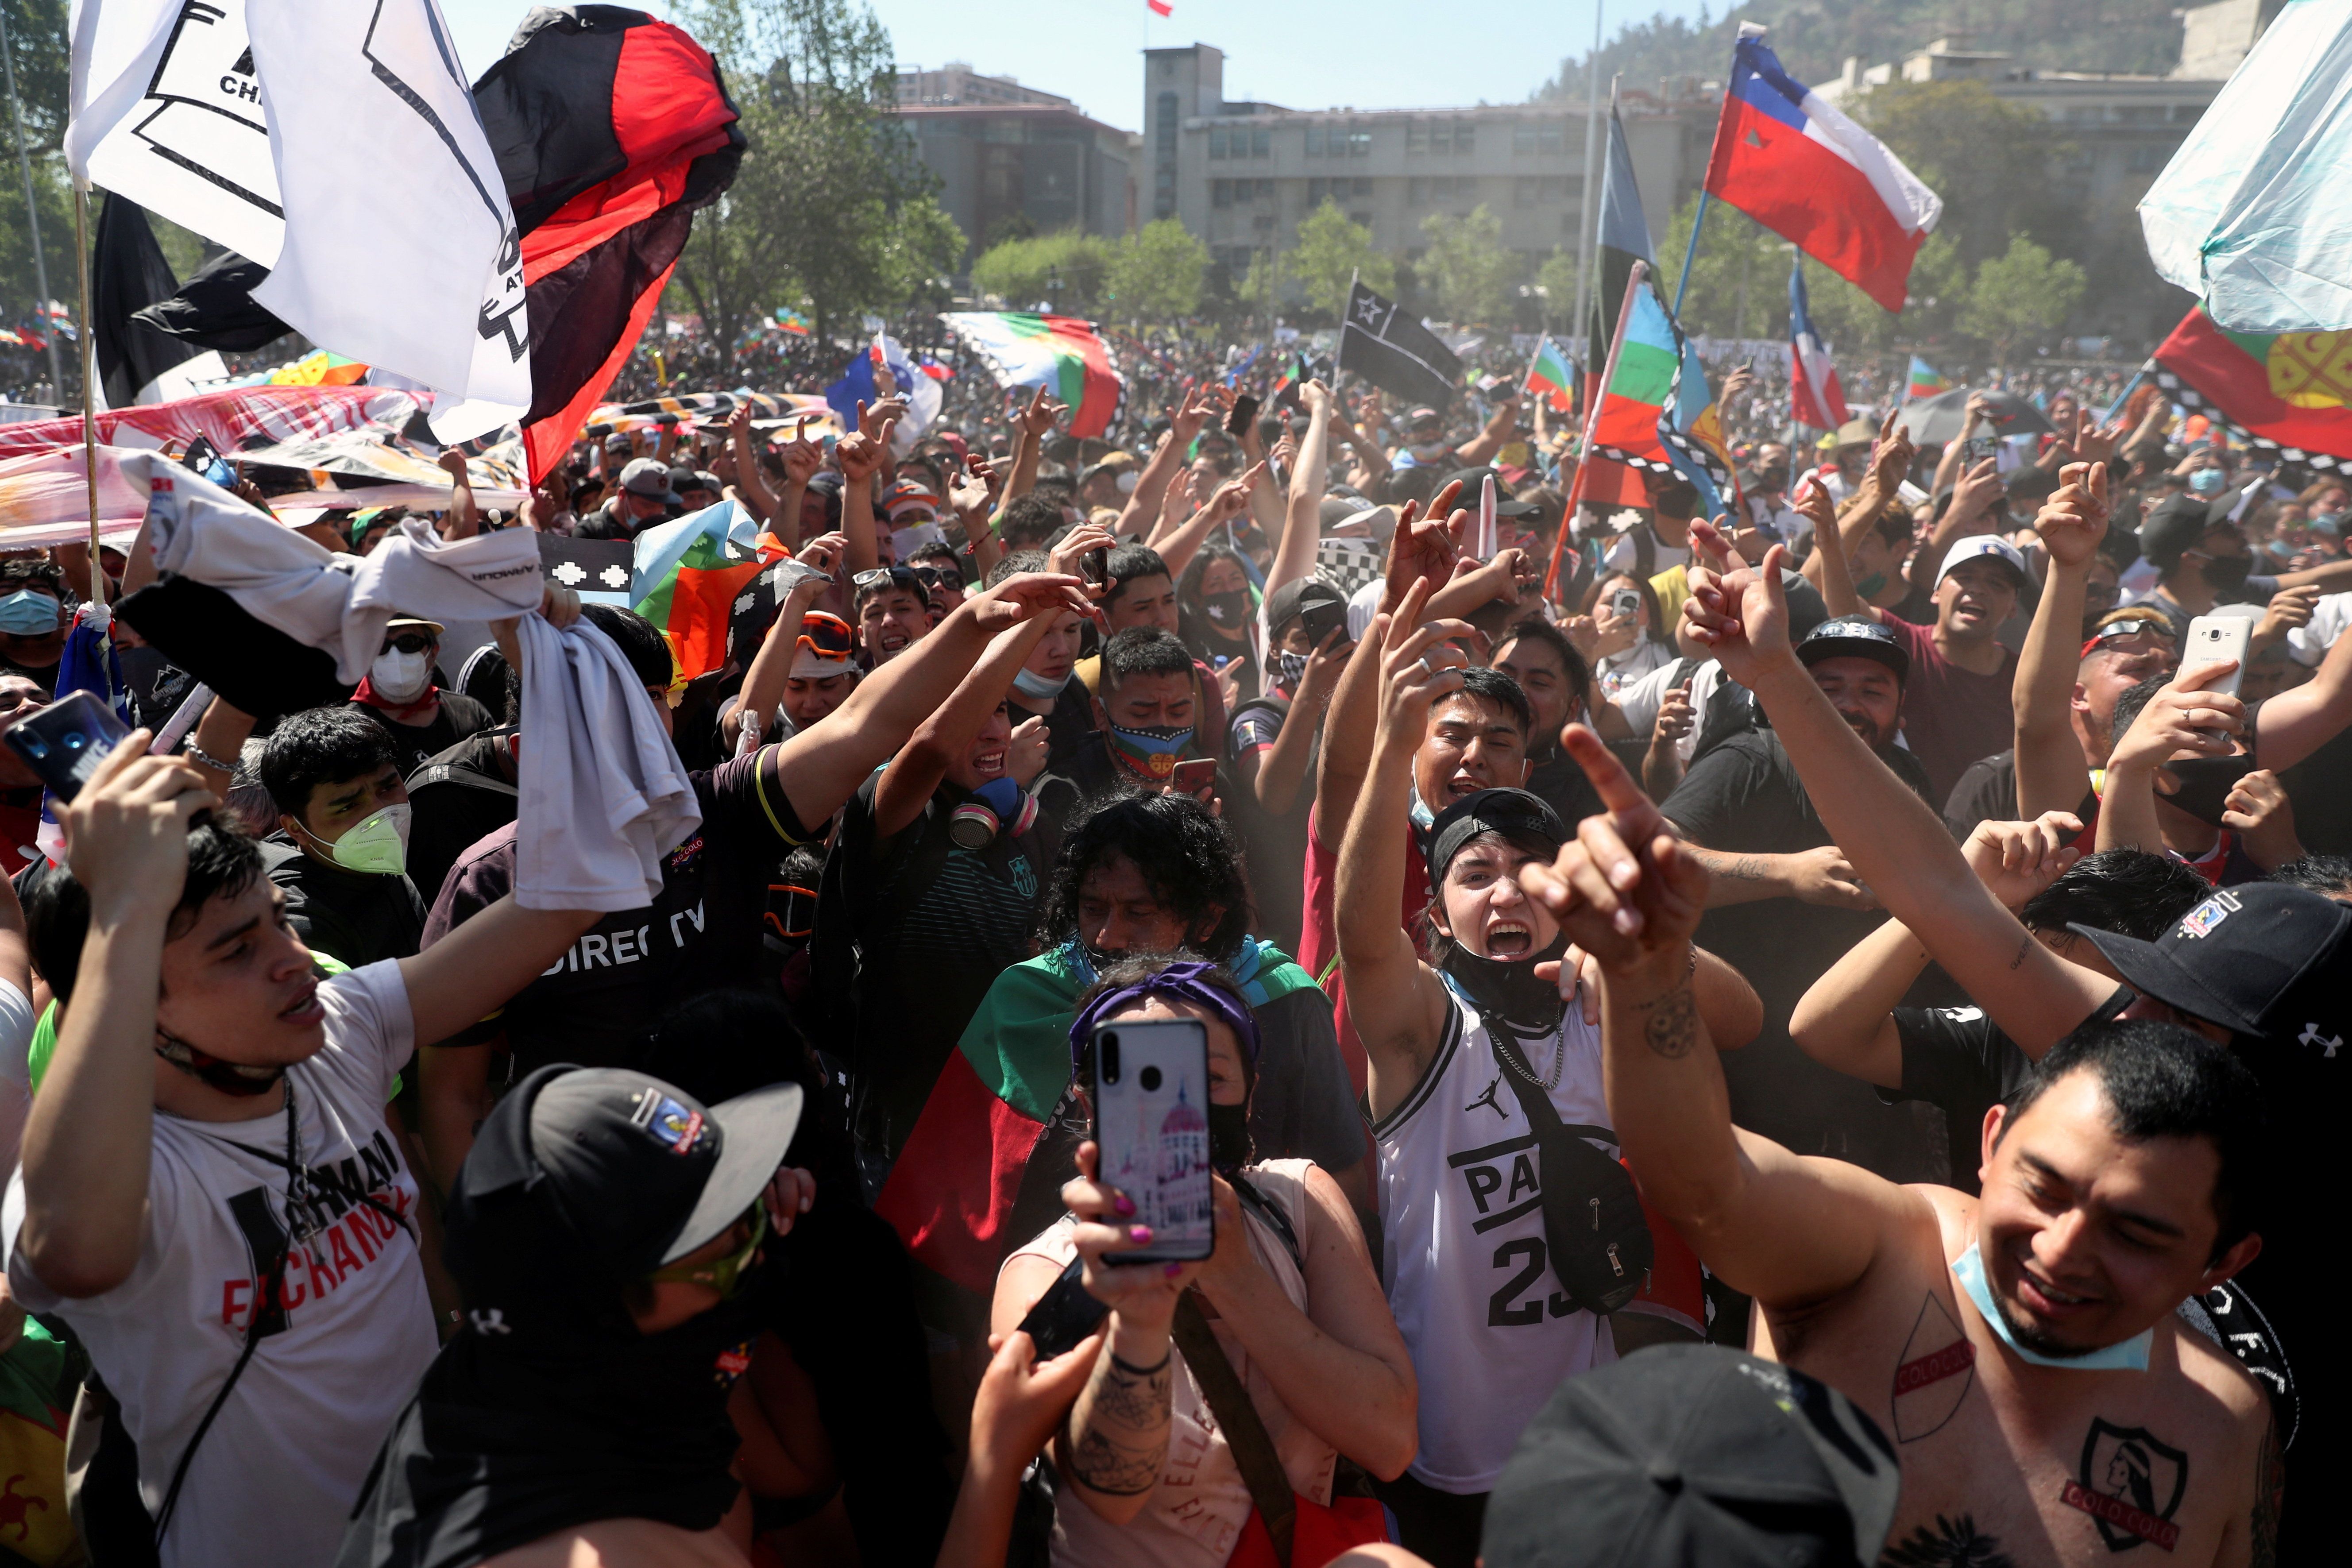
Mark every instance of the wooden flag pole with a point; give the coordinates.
(1633, 281)
(89, 389)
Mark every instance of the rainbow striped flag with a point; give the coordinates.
(792, 321)
(1926, 380)
(1064, 355)
(686, 575)
(1549, 376)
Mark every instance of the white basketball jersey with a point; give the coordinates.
(1468, 1270)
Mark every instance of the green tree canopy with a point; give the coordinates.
(1023, 270)
(1467, 269)
(1331, 251)
(1157, 273)
(1990, 160)
(2020, 295)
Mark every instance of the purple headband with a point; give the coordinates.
(1187, 982)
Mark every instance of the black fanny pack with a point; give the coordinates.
(1594, 1229)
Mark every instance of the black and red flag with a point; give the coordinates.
(610, 128)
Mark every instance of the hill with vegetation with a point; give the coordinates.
(1814, 38)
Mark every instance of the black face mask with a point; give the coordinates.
(1510, 991)
(2205, 784)
(1228, 612)
(142, 669)
(2227, 574)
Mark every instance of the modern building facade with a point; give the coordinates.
(1241, 175)
(1007, 154)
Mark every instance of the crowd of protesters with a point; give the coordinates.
(1851, 941)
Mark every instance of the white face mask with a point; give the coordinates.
(401, 677)
(377, 843)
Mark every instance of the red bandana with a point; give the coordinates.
(419, 713)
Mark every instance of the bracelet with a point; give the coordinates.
(1154, 1370)
(199, 754)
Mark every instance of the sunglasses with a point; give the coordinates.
(724, 1275)
(2119, 630)
(410, 642)
(882, 576)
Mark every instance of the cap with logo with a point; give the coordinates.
(1693, 1454)
(905, 498)
(2261, 958)
(1854, 638)
(649, 477)
(1978, 545)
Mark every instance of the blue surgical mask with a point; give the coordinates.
(1036, 687)
(2208, 482)
(2131, 1356)
(28, 612)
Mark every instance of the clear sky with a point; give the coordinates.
(1375, 54)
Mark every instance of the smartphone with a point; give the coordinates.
(203, 457)
(1151, 1124)
(1320, 619)
(1064, 1315)
(1237, 423)
(65, 743)
(1625, 603)
(1095, 566)
(2212, 639)
(1977, 448)
(1194, 774)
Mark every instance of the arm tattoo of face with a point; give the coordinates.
(2270, 1493)
(1950, 1543)
(1671, 1029)
(1121, 1441)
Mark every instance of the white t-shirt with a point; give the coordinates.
(1640, 701)
(275, 1479)
(2309, 644)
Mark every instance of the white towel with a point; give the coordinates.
(339, 603)
(602, 796)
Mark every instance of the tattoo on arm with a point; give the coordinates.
(1949, 1544)
(2269, 1495)
(1671, 1030)
(1119, 1429)
(1745, 869)
(2022, 949)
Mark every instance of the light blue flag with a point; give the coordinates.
(2251, 213)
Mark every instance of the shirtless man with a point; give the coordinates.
(2022, 1350)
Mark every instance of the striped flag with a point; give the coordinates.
(687, 575)
(1814, 395)
(1926, 381)
(1064, 354)
(1549, 376)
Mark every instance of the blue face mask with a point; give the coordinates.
(2131, 1356)
(2208, 482)
(28, 612)
(1036, 687)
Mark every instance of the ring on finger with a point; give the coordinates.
(1427, 667)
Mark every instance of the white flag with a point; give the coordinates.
(167, 113)
(400, 247)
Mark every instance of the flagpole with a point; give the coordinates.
(1591, 420)
(2116, 407)
(32, 215)
(1690, 252)
(88, 390)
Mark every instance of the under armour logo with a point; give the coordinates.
(1489, 1099)
(493, 1322)
(2312, 1037)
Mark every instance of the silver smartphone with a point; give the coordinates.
(2216, 639)
(1152, 1122)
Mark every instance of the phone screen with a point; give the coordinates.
(1151, 1124)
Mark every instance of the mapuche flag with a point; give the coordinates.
(1390, 348)
(1625, 239)
(952, 1192)
(610, 129)
(1926, 381)
(1640, 390)
(686, 578)
(1790, 160)
(1064, 354)
(2291, 392)
(1550, 377)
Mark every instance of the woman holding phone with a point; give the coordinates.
(1144, 1470)
(1622, 637)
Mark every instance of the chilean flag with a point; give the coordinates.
(1789, 160)
(1814, 396)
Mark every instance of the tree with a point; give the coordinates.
(1740, 280)
(1157, 273)
(1990, 161)
(1468, 266)
(1332, 250)
(2020, 295)
(821, 208)
(921, 246)
(1025, 271)
(1556, 281)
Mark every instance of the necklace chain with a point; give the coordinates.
(1551, 1080)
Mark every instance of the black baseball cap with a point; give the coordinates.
(2176, 525)
(1523, 817)
(1290, 601)
(1855, 637)
(619, 1162)
(1688, 1454)
(2261, 958)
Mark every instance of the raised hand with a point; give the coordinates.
(1066, 558)
(1023, 1400)
(802, 457)
(877, 421)
(1623, 889)
(2258, 812)
(1425, 546)
(2016, 860)
(127, 830)
(1977, 490)
(2074, 518)
(824, 552)
(1418, 664)
(1742, 614)
(2183, 716)
(861, 455)
(1040, 416)
(1890, 461)
(1231, 498)
(1027, 595)
(1025, 757)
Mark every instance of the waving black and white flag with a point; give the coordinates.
(1395, 353)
